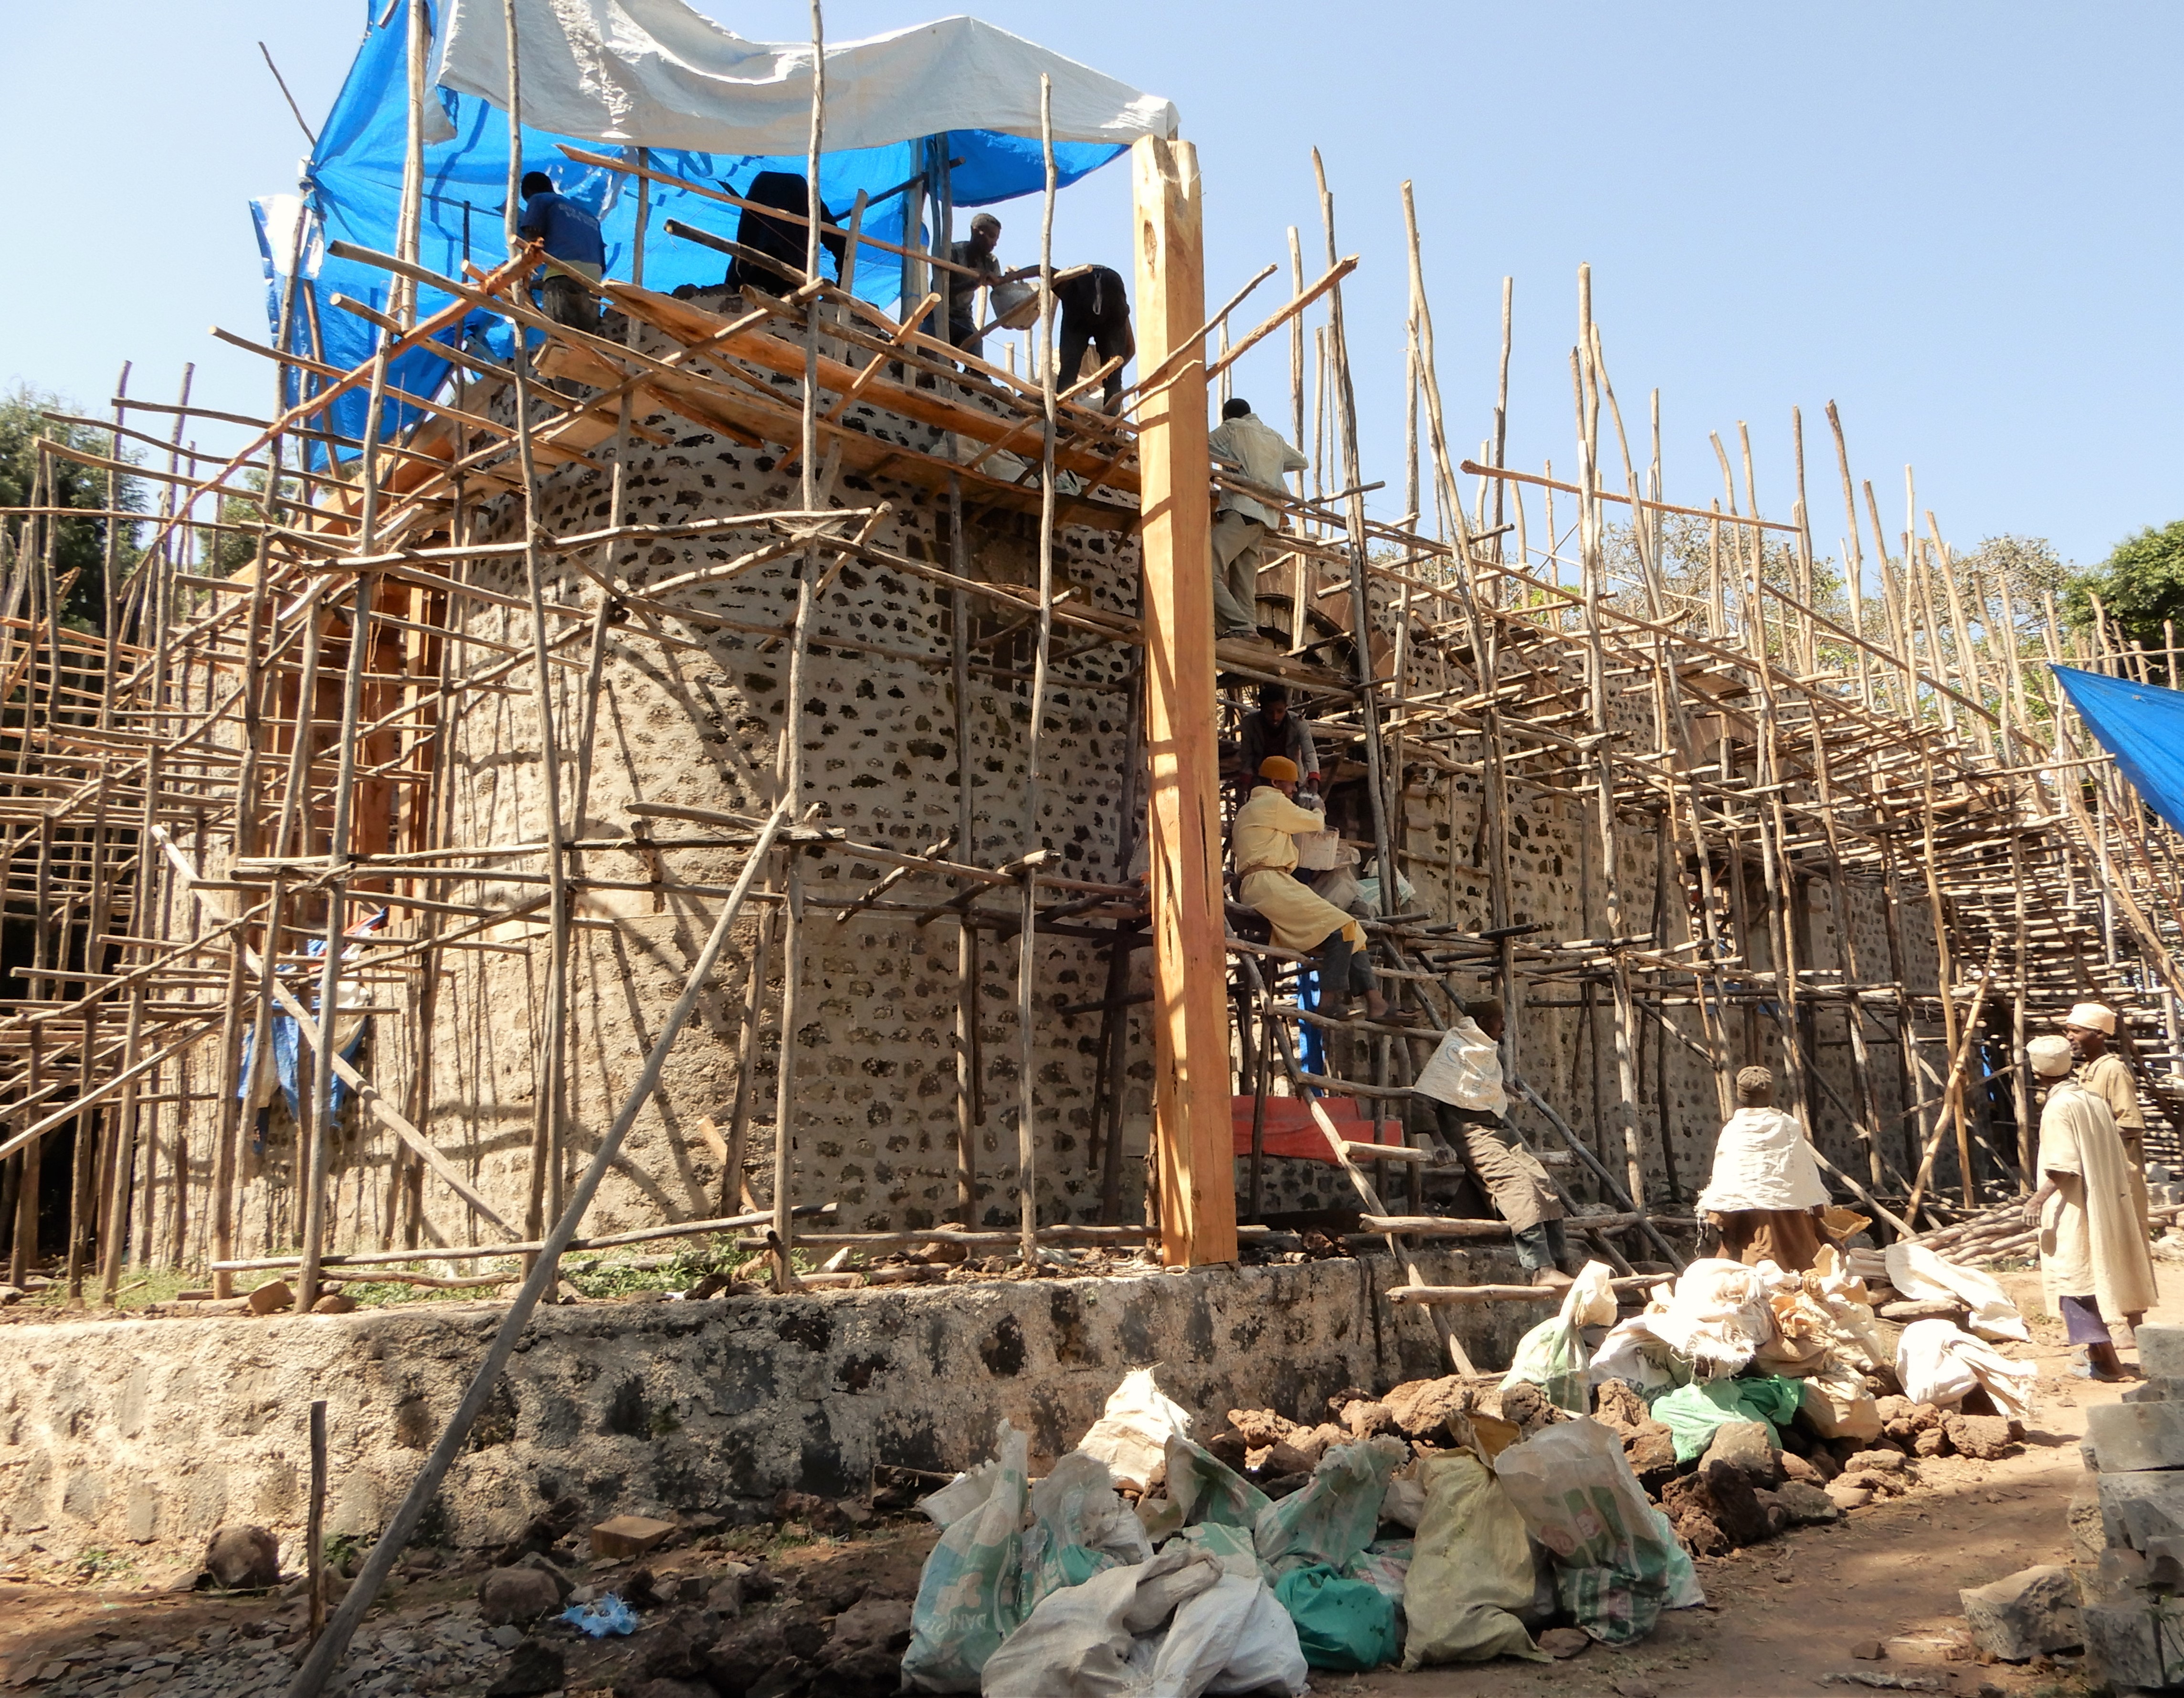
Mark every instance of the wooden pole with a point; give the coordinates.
(314, 1526)
(1190, 1027)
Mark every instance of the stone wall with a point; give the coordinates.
(143, 1436)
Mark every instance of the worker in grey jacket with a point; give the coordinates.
(1244, 444)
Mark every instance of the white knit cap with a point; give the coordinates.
(2094, 1015)
(2050, 1056)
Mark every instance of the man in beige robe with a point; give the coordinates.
(2093, 1259)
(2089, 1026)
(1264, 839)
(1765, 1196)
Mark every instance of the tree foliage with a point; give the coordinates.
(2140, 585)
(78, 545)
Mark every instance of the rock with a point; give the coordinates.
(2155, 1388)
(2087, 1538)
(725, 1594)
(1424, 1408)
(175, 1577)
(1564, 1642)
(863, 1657)
(2127, 1437)
(243, 1559)
(1700, 1533)
(545, 1565)
(1618, 1404)
(1930, 1443)
(1778, 1518)
(2136, 1507)
(2130, 1645)
(517, 1595)
(740, 1658)
(1281, 1458)
(1985, 1438)
(335, 1303)
(1260, 1427)
(1528, 1408)
(1806, 1505)
(1868, 1650)
(270, 1297)
(1847, 1498)
(670, 1689)
(1948, 1645)
(788, 1676)
(1650, 1448)
(1362, 1418)
(1721, 1496)
(1747, 1446)
(2025, 1615)
(669, 1650)
(1890, 1409)
(629, 1535)
(1631, 1686)
(1796, 1468)
(533, 1668)
(2161, 1351)
(1874, 1462)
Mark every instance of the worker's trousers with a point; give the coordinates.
(1514, 1181)
(1345, 969)
(1236, 542)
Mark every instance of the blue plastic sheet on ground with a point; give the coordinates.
(351, 189)
(2142, 726)
(604, 1616)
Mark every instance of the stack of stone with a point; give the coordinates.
(2133, 1616)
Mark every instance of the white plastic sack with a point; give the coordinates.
(1939, 1362)
(1552, 1355)
(1175, 1626)
(970, 1595)
(1924, 1277)
(1079, 1526)
(1630, 1352)
(1320, 851)
(1838, 1404)
(1717, 1317)
(1132, 1433)
(1618, 1562)
(1465, 1069)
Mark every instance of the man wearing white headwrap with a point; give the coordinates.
(2089, 1026)
(1765, 1195)
(2093, 1259)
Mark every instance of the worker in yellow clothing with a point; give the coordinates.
(2106, 1075)
(1265, 842)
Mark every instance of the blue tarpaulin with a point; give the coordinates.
(352, 192)
(2142, 726)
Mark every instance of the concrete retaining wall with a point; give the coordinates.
(144, 1436)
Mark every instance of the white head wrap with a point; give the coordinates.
(2050, 1056)
(2096, 1016)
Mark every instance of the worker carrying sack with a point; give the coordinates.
(1465, 1071)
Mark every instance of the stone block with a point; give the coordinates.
(2134, 1644)
(2130, 1437)
(2161, 1351)
(1805, 1504)
(517, 1595)
(2135, 1507)
(2155, 1388)
(1947, 1645)
(2087, 1537)
(2025, 1615)
(629, 1535)
(270, 1297)
(1747, 1446)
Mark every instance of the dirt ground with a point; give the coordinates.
(1784, 1616)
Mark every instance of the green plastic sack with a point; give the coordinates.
(1205, 1489)
(1342, 1624)
(1471, 1568)
(1552, 1355)
(1079, 1526)
(1618, 1562)
(970, 1596)
(1694, 1412)
(1333, 1517)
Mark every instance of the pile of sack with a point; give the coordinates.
(1146, 1563)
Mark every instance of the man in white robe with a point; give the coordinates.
(1264, 839)
(2093, 1259)
(1765, 1195)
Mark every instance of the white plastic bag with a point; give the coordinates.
(1631, 1353)
(1465, 1069)
(1079, 1526)
(1552, 1355)
(970, 1596)
(1618, 1563)
(1132, 1433)
(1924, 1277)
(1939, 1362)
(1717, 1317)
(1838, 1404)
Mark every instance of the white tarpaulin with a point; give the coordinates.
(655, 73)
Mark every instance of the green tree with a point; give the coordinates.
(2140, 585)
(78, 545)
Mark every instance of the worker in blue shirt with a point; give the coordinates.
(572, 242)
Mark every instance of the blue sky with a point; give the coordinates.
(1957, 221)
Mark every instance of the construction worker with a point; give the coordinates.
(1096, 313)
(573, 242)
(1265, 842)
(977, 253)
(771, 236)
(1765, 1196)
(1462, 1081)
(1274, 730)
(2089, 1026)
(2093, 1257)
(1243, 443)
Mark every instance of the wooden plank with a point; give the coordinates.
(1190, 1031)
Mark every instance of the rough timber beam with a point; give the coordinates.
(1190, 1027)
